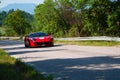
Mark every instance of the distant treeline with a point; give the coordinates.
(15, 23)
(65, 18)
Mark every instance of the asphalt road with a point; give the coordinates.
(69, 62)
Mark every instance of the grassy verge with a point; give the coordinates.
(89, 43)
(12, 69)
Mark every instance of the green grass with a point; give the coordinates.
(12, 69)
(89, 43)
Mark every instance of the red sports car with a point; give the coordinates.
(38, 39)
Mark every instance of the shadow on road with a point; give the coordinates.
(33, 51)
(22, 47)
(14, 48)
(93, 68)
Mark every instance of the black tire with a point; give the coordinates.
(27, 45)
(52, 44)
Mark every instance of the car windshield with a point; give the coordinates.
(39, 34)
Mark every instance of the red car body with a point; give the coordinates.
(38, 39)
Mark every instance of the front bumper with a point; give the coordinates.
(38, 44)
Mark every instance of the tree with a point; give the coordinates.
(114, 19)
(79, 14)
(17, 22)
(97, 17)
(79, 17)
(3, 15)
(59, 17)
(47, 19)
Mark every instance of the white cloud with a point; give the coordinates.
(6, 2)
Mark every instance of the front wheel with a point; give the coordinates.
(27, 44)
(52, 44)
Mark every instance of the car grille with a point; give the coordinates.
(42, 43)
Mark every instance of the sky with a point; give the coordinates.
(6, 2)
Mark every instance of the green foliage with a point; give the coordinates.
(58, 17)
(12, 69)
(72, 32)
(9, 31)
(114, 23)
(47, 19)
(97, 16)
(89, 43)
(3, 14)
(63, 18)
(17, 21)
(26, 20)
(2, 31)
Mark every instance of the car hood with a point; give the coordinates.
(44, 38)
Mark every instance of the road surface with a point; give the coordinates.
(69, 62)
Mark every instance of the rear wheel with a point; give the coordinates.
(52, 44)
